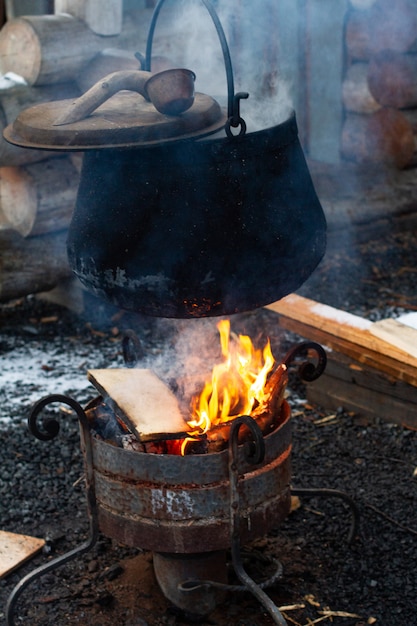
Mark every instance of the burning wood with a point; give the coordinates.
(237, 384)
(241, 384)
(265, 413)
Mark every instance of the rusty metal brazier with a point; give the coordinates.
(198, 228)
(189, 510)
(181, 504)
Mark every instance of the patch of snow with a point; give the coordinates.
(341, 317)
(11, 79)
(30, 372)
(409, 319)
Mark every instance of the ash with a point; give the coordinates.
(48, 349)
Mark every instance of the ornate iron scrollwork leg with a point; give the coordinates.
(309, 372)
(333, 493)
(49, 430)
(254, 454)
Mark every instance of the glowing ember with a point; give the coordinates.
(237, 384)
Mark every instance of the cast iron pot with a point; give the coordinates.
(198, 228)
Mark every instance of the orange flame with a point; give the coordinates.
(236, 385)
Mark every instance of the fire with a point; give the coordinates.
(236, 385)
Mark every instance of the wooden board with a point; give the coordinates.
(398, 334)
(365, 391)
(16, 550)
(346, 333)
(125, 120)
(148, 406)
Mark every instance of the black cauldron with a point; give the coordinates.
(172, 220)
(198, 228)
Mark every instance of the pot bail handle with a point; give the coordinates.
(233, 100)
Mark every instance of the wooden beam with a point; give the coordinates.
(346, 333)
(364, 391)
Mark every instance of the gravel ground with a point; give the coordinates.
(46, 349)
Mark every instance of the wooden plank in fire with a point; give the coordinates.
(348, 334)
(142, 400)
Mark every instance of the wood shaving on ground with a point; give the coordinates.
(291, 607)
(326, 420)
(338, 614)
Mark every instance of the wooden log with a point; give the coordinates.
(386, 25)
(392, 79)
(356, 94)
(38, 198)
(52, 49)
(384, 137)
(18, 200)
(15, 100)
(32, 265)
(56, 184)
(266, 414)
(104, 17)
(393, 25)
(345, 333)
(358, 36)
(69, 293)
(411, 117)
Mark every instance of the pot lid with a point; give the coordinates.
(126, 120)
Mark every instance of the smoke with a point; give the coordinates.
(246, 27)
(185, 353)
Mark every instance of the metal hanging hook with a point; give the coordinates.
(233, 100)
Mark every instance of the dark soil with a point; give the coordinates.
(371, 581)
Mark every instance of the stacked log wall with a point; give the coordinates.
(38, 188)
(380, 84)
